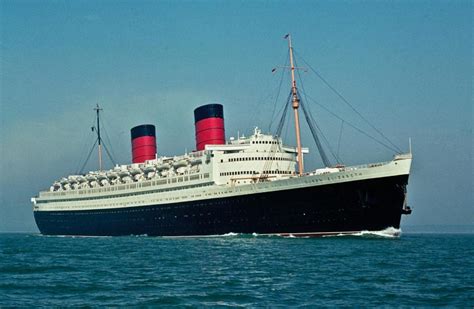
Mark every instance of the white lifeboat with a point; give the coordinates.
(123, 174)
(196, 161)
(112, 174)
(149, 168)
(135, 171)
(81, 179)
(180, 163)
(164, 166)
(101, 176)
(91, 177)
(72, 179)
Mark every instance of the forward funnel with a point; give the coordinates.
(209, 125)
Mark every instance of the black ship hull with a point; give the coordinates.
(373, 204)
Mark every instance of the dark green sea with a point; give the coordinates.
(416, 269)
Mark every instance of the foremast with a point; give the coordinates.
(295, 104)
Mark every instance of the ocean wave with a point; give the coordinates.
(230, 234)
(389, 232)
(71, 236)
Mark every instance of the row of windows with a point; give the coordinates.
(258, 158)
(253, 173)
(265, 142)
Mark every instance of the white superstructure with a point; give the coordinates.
(258, 163)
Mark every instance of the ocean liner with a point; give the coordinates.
(255, 184)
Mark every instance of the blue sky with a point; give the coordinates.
(405, 65)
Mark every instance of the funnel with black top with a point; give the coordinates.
(143, 143)
(209, 125)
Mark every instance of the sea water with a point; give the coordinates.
(366, 269)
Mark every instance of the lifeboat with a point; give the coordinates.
(112, 174)
(180, 163)
(101, 176)
(123, 174)
(91, 177)
(81, 179)
(135, 171)
(196, 161)
(164, 166)
(72, 179)
(149, 168)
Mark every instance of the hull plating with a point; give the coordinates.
(352, 206)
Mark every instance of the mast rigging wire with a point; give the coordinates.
(312, 122)
(279, 90)
(108, 154)
(350, 105)
(323, 155)
(325, 140)
(86, 139)
(340, 137)
(351, 125)
(81, 171)
(281, 123)
(111, 155)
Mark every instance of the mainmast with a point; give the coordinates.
(99, 140)
(295, 105)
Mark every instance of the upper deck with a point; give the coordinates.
(257, 158)
(242, 161)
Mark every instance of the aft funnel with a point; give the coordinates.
(143, 143)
